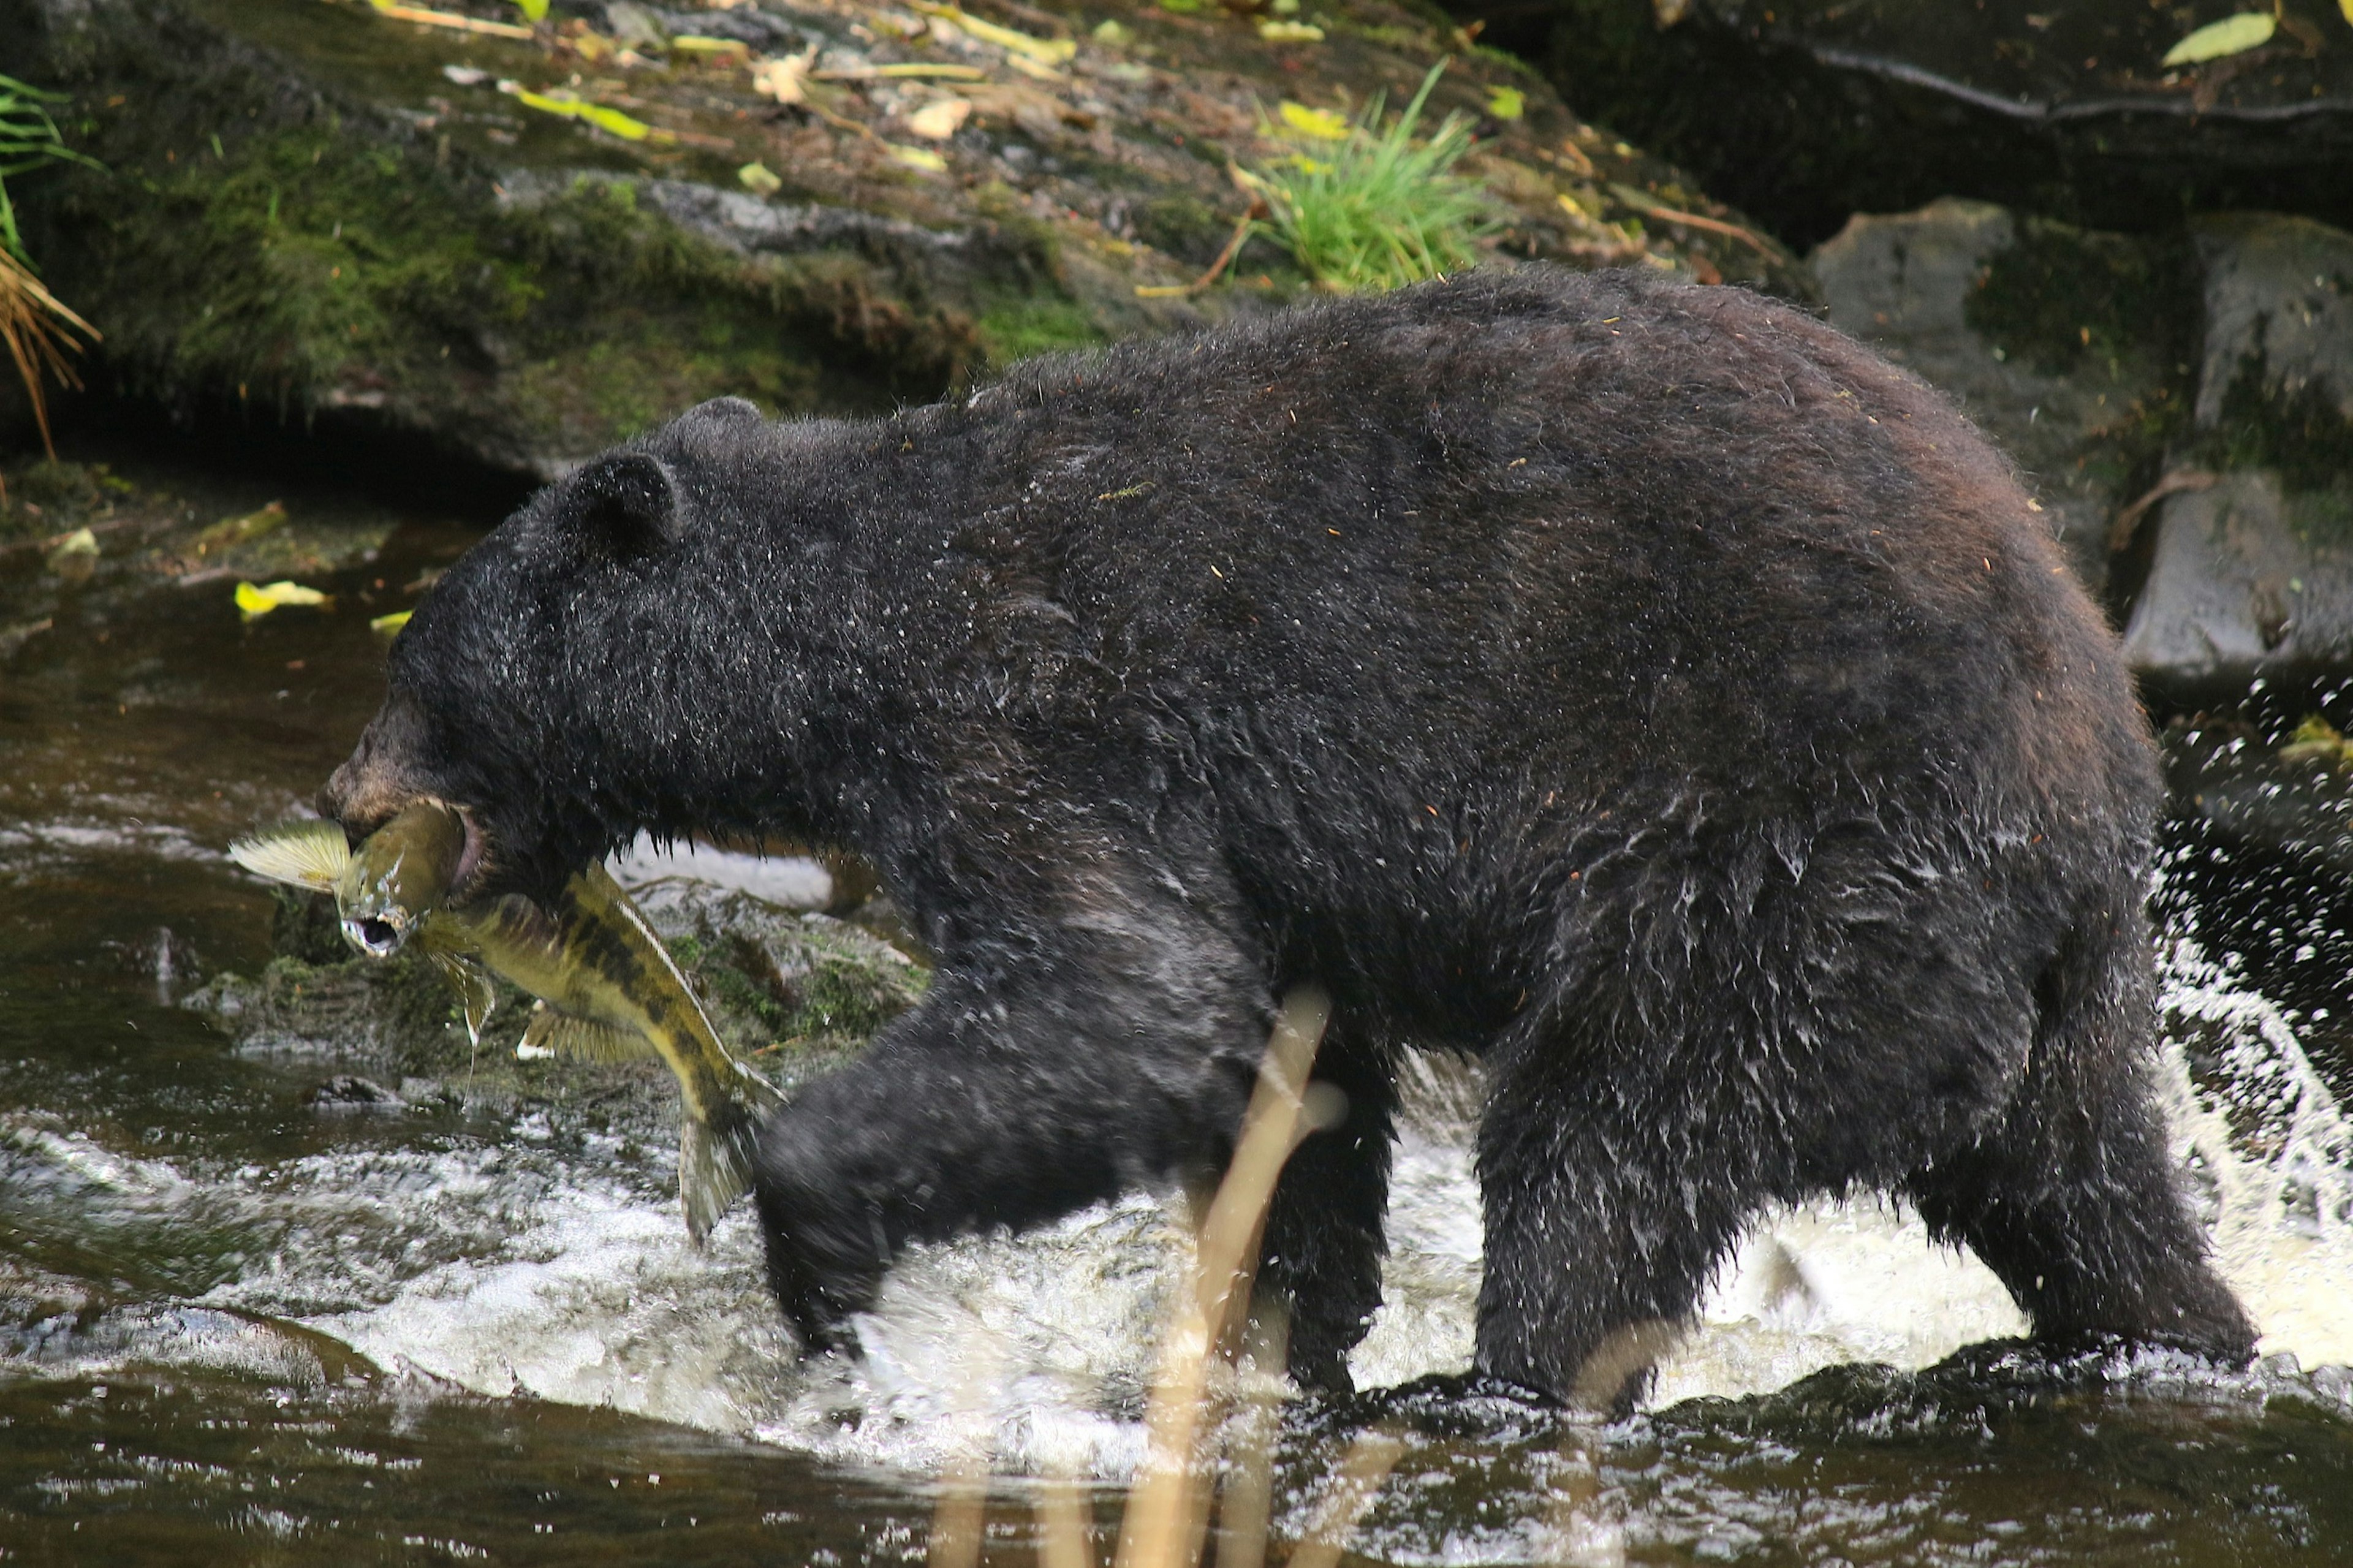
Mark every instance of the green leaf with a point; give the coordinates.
(1506, 102)
(533, 10)
(2231, 36)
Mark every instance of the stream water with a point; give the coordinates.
(234, 1327)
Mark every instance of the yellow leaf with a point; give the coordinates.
(1037, 68)
(533, 10)
(2231, 36)
(923, 158)
(1319, 123)
(426, 17)
(1506, 102)
(759, 179)
(1045, 52)
(257, 602)
(389, 625)
(696, 44)
(1291, 32)
(566, 104)
(2346, 7)
(74, 555)
(938, 122)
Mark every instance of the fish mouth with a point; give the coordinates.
(375, 935)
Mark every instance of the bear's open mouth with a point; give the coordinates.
(470, 856)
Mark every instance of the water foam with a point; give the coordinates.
(523, 1271)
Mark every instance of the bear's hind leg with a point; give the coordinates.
(1609, 1201)
(2072, 1198)
(1321, 1258)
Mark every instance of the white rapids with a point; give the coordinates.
(519, 1270)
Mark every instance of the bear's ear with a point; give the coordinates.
(627, 503)
(726, 410)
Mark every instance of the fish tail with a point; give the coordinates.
(714, 1169)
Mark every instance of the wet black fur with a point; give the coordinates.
(1640, 686)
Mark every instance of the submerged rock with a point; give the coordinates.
(525, 244)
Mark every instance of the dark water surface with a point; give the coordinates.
(233, 1329)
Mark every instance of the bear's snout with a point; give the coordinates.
(377, 780)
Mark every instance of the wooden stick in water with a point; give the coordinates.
(1370, 1458)
(958, 1515)
(1163, 1524)
(1062, 1526)
(1248, 1503)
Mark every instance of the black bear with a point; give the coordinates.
(1640, 686)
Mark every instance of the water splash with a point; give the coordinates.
(2268, 1149)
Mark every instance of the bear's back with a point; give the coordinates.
(1594, 528)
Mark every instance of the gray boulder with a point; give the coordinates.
(2252, 569)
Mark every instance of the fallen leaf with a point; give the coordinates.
(574, 108)
(709, 49)
(257, 602)
(1319, 123)
(533, 10)
(242, 530)
(938, 122)
(1288, 32)
(923, 158)
(449, 19)
(759, 179)
(389, 625)
(1506, 102)
(915, 70)
(2231, 36)
(73, 556)
(1045, 52)
(1111, 35)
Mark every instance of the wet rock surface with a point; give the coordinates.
(522, 244)
(2067, 347)
(791, 992)
(2252, 569)
(2178, 402)
(1808, 110)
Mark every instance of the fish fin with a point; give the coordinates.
(311, 854)
(714, 1169)
(477, 992)
(551, 1029)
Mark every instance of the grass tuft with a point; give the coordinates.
(1377, 210)
(37, 330)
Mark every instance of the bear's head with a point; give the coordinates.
(558, 685)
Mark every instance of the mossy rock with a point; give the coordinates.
(793, 994)
(309, 210)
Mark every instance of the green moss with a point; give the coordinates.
(313, 266)
(1183, 226)
(1020, 327)
(2059, 297)
(46, 496)
(2307, 439)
